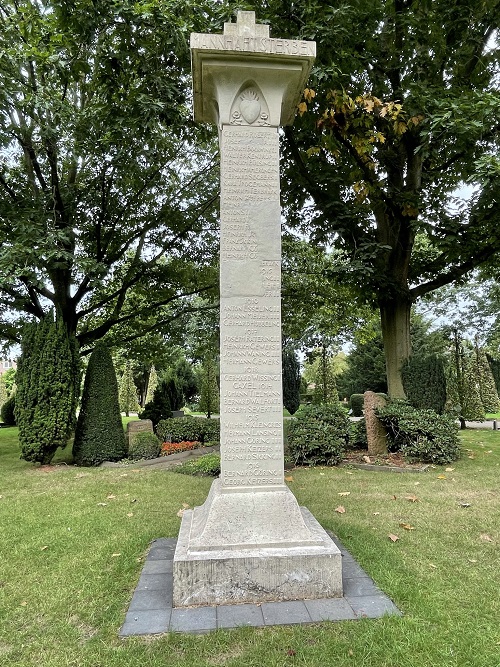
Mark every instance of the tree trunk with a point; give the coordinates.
(395, 320)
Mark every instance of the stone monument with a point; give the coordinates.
(376, 433)
(250, 541)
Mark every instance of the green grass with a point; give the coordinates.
(493, 415)
(73, 543)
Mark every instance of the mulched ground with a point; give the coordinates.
(394, 460)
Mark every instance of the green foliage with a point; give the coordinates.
(187, 380)
(152, 384)
(207, 465)
(291, 380)
(356, 403)
(422, 435)
(319, 435)
(48, 386)
(357, 435)
(486, 382)
(144, 445)
(3, 391)
(210, 397)
(365, 369)
(128, 391)
(495, 371)
(179, 429)
(9, 378)
(325, 390)
(99, 433)
(166, 395)
(424, 381)
(8, 411)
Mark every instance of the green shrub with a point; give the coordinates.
(357, 435)
(144, 445)
(319, 435)
(8, 411)
(178, 429)
(48, 386)
(422, 435)
(356, 405)
(207, 465)
(291, 380)
(99, 432)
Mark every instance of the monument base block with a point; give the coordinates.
(221, 558)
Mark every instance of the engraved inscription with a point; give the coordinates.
(286, 47)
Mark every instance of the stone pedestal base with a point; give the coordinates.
(254, 546)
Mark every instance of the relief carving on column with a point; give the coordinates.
(250, 107)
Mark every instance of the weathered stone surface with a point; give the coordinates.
(376, 433)
(138, 426)
(251, 541)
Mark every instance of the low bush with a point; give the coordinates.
(144, 446)
(180, 429)
(205, 466)
(421, 435)
(7, 412)
(356, 405)
(319, 435)
(357, 435)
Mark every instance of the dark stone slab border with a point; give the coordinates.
(151, 612)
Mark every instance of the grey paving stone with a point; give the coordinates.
(236, 615)
(144, 600)
(157, 567)
(146, 622)
(160, 553)
(373, 606)
(335, 609)
(154, 582)
(199, 619)
(351, 569)
(164, 543)
(285, 613)
(360, 587)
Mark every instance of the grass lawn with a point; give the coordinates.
(73, 542)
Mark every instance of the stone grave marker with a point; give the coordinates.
(250, 541)
(138, 426)
(376, 433)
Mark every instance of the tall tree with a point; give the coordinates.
(103, 191)
(210, 396)
(402, 109)
(291, 380)
(127, 391)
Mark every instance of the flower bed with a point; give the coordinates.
(168, 448)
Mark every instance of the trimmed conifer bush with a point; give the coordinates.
(161, 405)
(99, 433)
(424, 382)
(319, 435)
(48, 386)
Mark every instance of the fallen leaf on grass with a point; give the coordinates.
(115, 555)
(340, 509)
(464, 504)
(184, 507)
(394, 497)
(488, 451)
(471, 456)
(348, 472)
(130, 514)
(81, 474)
(342, 493)
(434, 567)
(111, 497)
(441, 476)
(291, 652)
(472, 560)
(393, 538)
(407, 526)
(43, 548)
(376, 513)
(449, 469)
(289, 479)
(412, 499)
(23, 603)
(367, 459)
(102, 504)
(321, 473)
(485, 538)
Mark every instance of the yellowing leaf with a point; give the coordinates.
(340, 509)
(412, 499)
(309, 94)
(302, 108)
(289, 479)
(43, 548)
(344, 493)
(441, 476)
(407, 526)
(111, 497)
(393, 538)
(449, 469)
(130, 514)
(367, 459)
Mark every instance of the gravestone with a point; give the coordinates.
(138, 426)
(250, 541)
(376, 433)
